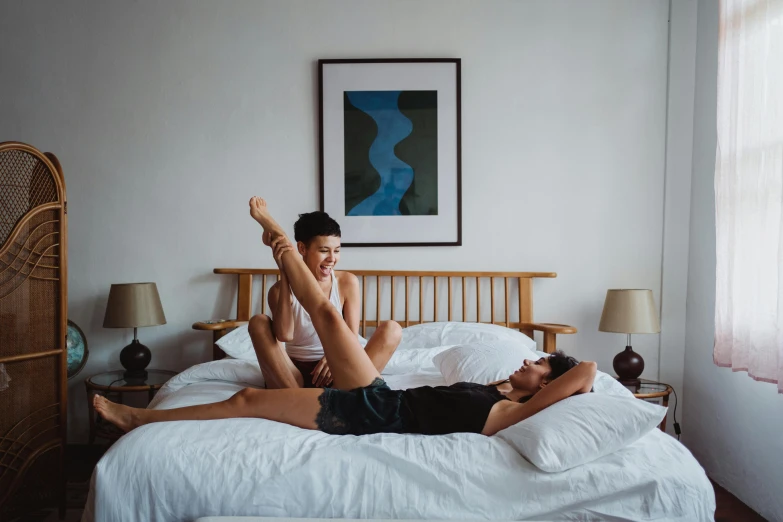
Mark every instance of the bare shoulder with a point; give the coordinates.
(346, 280)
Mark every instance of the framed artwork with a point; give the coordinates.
(390, 150)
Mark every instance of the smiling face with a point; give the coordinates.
(531, 376)
(321, 255)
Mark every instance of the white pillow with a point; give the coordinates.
(237, 344)
(481, 362)
(431, 335)
(581, 429)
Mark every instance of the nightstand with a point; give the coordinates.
(113, 386)
(652, 391)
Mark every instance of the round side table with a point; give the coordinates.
(113, 384)
(652, 391)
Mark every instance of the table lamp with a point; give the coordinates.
(134, 305)
(629, 312)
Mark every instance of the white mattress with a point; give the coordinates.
(180, 471)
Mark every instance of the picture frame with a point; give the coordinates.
(390, 150)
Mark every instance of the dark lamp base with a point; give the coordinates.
(632, 383)
(135, 376)
(628, 365)
(134, 358)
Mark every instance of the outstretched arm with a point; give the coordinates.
(280, 303)
(280, 298)
(578, 379)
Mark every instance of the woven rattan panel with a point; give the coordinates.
(32, 316)
(29, 291)
(25, 183)
(31, 419)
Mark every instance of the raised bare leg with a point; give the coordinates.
(382, 344)
(350, 365)
(298, 407)
(278, 369)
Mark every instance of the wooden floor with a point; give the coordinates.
(731, 509)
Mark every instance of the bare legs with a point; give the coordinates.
(278, 369)
(280, 372)
(350, 365)
(298, 407)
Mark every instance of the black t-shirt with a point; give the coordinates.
(460, 408)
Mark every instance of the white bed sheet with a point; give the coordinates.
(180, 471)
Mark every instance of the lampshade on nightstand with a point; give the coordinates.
(629, 312)
(134, 305)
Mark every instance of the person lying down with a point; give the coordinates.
(360, 402)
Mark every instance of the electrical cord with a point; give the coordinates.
(677, 430)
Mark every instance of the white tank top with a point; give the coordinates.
(306, 346)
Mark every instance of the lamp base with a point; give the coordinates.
(134, 358)
(632, 383)
(628, 365)
(135, 376)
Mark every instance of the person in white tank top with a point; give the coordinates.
(301, 362)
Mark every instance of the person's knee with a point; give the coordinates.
(243, 398)
(260, 330)
(259, 323)
(327, 314)
(392, 330)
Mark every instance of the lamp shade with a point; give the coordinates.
(629, 312)
(133, 305)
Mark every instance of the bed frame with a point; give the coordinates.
(420, 279)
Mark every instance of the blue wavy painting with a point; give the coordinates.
(391, 153)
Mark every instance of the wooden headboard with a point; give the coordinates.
(500, 285)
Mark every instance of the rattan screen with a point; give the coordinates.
(32, 325)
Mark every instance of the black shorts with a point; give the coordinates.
(372, 409)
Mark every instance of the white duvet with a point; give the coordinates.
(179, 471)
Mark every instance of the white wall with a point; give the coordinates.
(167, 116)
(733, 424)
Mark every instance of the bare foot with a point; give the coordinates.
(118, 414)
(259, 212)
(258, 209)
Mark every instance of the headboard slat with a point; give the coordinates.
(435, 300)
(364, 307)
(464, 302)
(391, 310)
(505, 295)
(449, 298)
(406, 301)
(491, 299)
(377, 298)
(478, 299)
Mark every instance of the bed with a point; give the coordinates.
(181, 471)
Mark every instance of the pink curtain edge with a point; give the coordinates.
(755, 378)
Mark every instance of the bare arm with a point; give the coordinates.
(281, 305)
(352, 307)
(578, 379)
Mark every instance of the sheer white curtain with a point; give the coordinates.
(749, 190)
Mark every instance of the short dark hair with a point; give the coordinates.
(315, 224)
(560, 363)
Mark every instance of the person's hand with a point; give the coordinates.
(322, 375)
(280, 246)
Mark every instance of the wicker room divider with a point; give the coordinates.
(33, 323)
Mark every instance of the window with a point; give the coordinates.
(749, 190)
